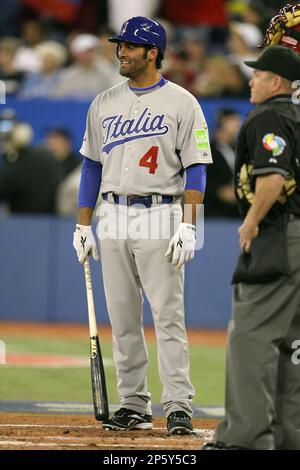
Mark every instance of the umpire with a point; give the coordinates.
(262, 407)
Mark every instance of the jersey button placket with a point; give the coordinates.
(129, 147)
(135, 109)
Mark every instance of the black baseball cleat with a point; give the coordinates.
(125, 420)
(221, 446)
(178, 422)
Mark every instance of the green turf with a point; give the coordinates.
(73, 383)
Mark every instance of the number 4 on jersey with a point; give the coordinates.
(149, 160)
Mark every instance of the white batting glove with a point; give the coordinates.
(84, 243)
(182, 245)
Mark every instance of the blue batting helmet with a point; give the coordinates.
(142, 31)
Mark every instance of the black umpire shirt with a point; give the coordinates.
(269, 142)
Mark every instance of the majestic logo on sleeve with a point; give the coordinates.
(118, 130)
(274, 144)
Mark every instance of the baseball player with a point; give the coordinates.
(145, 148)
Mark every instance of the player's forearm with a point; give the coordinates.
(267, 191)
(85, 215)
(194, 192)
(192, 201)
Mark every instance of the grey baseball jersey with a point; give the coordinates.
(143, 141)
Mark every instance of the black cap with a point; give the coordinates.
(280, 60)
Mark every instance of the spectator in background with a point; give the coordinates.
(60, 17)
(236, 8)
(42, 84)
(27, 59)
(255, 13)
(119, 11)
(29, 177)
(184, 64)
(10, 13)
(107, 57)
(85, 78)
(242, 44)
(272, 6)
(179, 69)
(8, 73)
(67, 194)
(220, 200)
(62, 10)
(59, 142)
(220, 78)
(208, 21)
(196, 52)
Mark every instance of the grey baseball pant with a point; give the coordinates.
(129, 266)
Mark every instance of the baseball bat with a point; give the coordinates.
(101, 408)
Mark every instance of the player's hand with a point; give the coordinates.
(182, 246)
(84, 243)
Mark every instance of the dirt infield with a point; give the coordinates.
(37, 431)
(20, 431)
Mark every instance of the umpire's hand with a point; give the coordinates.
(247, 232)
(85, 243)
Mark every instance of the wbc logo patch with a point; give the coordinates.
(273, 143)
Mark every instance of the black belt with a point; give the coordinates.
(146, 201)
(293, 216)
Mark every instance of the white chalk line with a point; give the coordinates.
(198, 432)
(37, 444)
(156, 443)
(58, 426)
(13, 443)
(78, 439)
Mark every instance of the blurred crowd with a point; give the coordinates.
(59, 49)
(36, 179)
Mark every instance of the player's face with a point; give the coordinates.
(262, 86)
(134, 60)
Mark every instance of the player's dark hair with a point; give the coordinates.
(159, 57)
(147, 48)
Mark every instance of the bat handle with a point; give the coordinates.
(90, 298)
